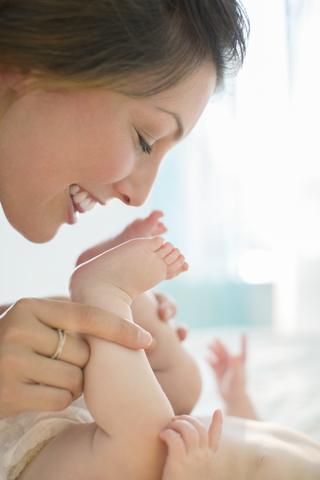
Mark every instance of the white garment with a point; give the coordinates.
(22, 437)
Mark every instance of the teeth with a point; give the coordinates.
(79, 197)
(90, 206)
(73, 189)
(84, 203)
(82, 199)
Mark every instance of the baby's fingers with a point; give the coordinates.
(174, 442)
(200, 428)
(215, 430)
(219, 350)
(189, 434)
(243, 347)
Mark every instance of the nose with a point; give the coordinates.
(135, 188)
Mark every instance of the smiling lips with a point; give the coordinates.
(82, 200)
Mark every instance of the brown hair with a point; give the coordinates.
(100, 43)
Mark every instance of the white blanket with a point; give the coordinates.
(283, 375)
(23, 436)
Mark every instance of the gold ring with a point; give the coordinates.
(62, 339)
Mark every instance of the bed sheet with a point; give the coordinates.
(283, 375)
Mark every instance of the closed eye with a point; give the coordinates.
(146, 148)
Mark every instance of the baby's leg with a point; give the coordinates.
(173, 366)
(122, 394)
(122, 273)
(111, 281)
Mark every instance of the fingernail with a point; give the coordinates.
(144, 338)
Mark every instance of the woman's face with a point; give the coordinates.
(102, 145)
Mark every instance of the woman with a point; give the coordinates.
(92, 96)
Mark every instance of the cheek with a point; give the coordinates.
(108, 164)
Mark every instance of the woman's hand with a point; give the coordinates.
(29, 378)
(191, 449)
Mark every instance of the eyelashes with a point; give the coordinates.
(146, 148)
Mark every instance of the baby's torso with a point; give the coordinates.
(252, 450)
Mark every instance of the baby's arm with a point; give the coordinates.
(173, 366)
(191, 449)
(231, 380)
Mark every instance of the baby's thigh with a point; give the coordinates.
(67, 456)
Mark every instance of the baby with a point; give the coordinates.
(135, 434)
(128, 406)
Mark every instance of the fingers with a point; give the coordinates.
(21, 369)
(219, 350)
(174, 443)
(180, 328)
(215, 430)
(182, 331)
(219, 362)
(199, 427)
(42, 370)
(75, 351)
(28, 338)
(89, 320)
(192, 432)
(41, 397)
(44, 341)
(167, 306)
(243, 347)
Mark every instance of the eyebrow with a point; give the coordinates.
(180, 130)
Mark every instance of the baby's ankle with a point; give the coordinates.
(88, 289)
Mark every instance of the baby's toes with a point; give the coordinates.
(174, 274)
(155, 244)
(172, 256)
(178, 266)
(165, 250)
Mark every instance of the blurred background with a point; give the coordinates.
(241, 196)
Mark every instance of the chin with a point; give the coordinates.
(37, 235)
(35, 229)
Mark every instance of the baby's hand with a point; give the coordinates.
(140, 228)
(191, 449)
(229, 370)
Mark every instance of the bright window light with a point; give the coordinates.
(257, 267)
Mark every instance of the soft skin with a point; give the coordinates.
(29, 380)
(50, 140)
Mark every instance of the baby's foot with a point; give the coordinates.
(140, 228)
(143, 227)
(126, 271)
